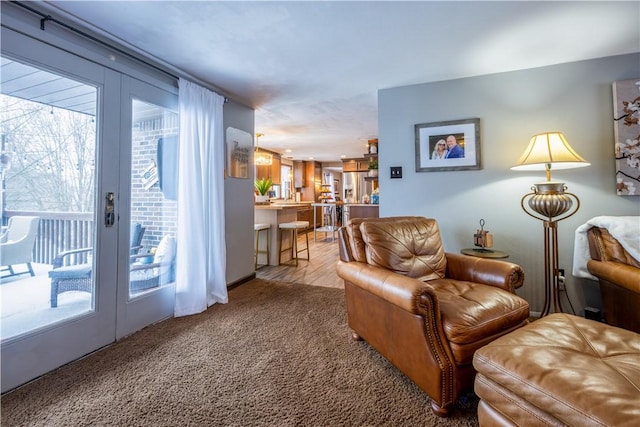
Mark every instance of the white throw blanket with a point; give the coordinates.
(625, 229)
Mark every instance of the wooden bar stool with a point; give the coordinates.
(257, 228)
(293, 227)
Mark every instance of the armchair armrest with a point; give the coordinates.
(501, 274)
(623, 275)
(58, 261)
(402, 291)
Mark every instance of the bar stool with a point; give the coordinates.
(293, 227)
(257, 228)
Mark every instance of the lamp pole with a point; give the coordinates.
(550, 203)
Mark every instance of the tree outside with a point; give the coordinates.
(52, 157)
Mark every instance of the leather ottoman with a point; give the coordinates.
(560, 370)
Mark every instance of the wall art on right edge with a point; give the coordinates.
(626, 107)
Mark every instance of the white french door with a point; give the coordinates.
(146, 289)
(112, 300)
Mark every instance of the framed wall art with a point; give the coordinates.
(239, 145)
(448, 146)
(626, 107)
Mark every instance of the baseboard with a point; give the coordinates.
(239, 282)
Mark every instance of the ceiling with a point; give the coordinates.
(312, 69)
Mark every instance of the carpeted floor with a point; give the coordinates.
(278, 354)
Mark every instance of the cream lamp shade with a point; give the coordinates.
(547, 150)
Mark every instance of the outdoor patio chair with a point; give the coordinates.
(68, 276)
(17, 242)
(143, 275)
(160, 271)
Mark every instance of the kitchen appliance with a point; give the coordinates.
(354, 186)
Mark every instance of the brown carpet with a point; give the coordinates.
(279, 354)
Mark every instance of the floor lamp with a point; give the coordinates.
(550, 203)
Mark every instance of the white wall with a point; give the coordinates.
(238, 198)
(574, 98)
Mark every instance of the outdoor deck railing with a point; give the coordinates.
(58, 232)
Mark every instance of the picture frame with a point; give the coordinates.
(463, 154)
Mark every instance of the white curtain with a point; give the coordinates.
(201, 255)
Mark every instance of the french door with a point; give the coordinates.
(89, 286)
(146, 286)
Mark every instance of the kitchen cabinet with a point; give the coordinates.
(271, 171)
(305, 214)
(313, 181)
(355, 165)
(299, 178)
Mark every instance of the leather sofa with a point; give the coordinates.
(560, 370)
(424, 310)
(619, 277)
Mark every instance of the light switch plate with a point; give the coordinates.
(396, 171)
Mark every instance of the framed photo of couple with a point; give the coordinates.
(448, 146)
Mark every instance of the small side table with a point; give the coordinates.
(484, 253)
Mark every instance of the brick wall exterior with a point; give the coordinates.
(149, 207)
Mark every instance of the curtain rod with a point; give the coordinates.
(45, 18)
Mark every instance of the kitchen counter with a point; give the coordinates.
(360, 210)
(280, 206)
(275, 214)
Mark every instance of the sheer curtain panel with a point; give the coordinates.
(201, 260)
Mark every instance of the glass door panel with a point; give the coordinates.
(48, 129)
(154, 173)
(148, 206)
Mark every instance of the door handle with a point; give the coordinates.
(109, 210)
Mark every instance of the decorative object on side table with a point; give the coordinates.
(549, 202)
(483, 239)
(262, 185)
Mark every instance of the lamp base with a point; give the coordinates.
(550, 199)
(550, 203)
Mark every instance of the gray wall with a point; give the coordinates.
(238, 198)
(574, 98)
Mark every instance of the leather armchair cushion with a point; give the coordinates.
(411, 247)
(357, 245)
(473, 314)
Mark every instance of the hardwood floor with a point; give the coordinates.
(320, 270)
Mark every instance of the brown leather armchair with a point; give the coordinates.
(619, 276)
(424, 310)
